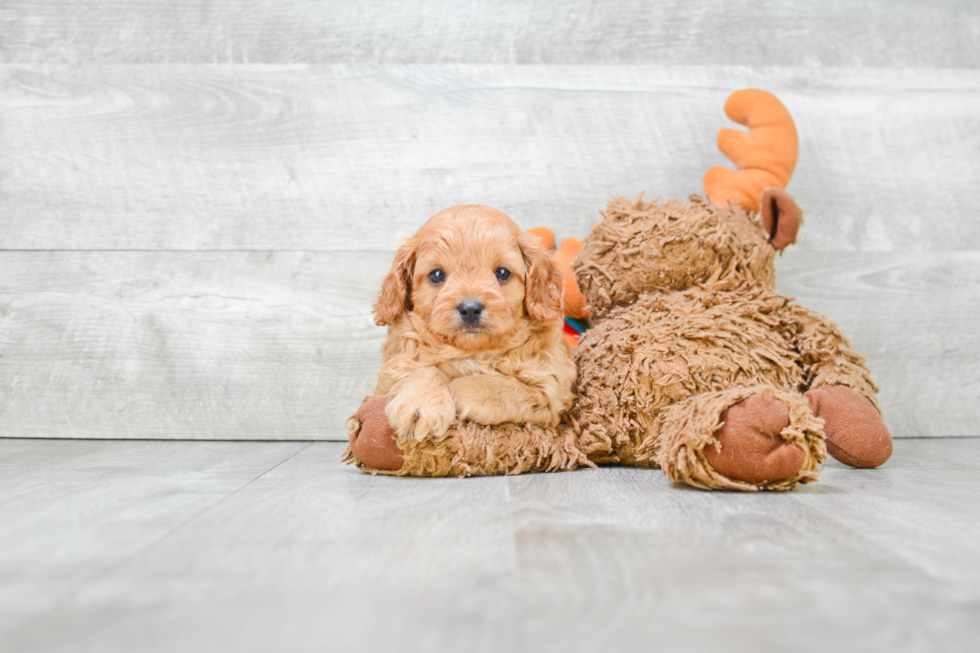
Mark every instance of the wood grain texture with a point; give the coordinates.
(623, 557)
(281, 345)
(354, 157)
(314, 555)
(924, 33)
(73, 512)
(172, 548)
(199, 198)
(267, 346)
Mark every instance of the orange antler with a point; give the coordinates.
(765, 156)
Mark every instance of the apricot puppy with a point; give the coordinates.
(473, 307)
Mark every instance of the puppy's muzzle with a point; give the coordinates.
(470, 312)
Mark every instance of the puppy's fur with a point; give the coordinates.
(513, 365)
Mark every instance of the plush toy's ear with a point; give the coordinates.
(395, 297)
(781, 217)
(543, 284)
(765, 155)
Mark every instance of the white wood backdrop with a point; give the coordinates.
(198, 199)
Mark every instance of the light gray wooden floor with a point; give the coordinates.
(274, 546)
(198, 198)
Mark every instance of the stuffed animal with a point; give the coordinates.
(693, 362)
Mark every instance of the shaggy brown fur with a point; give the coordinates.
(638, 248)
(683, 338)
(469, 449)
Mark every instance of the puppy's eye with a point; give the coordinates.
(502, 274)
(437, 276)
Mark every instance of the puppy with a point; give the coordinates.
(473, 307)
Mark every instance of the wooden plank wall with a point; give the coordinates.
(198, 199)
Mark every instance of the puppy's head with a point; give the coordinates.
(472, 278)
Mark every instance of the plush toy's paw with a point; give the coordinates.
(749, 446)
(373, 441)
(421, 413)
(856, 434)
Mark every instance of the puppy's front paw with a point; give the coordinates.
(421, 414)
(473, 399)
(491, 400)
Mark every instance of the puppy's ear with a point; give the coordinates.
(544, 285)
(396, 290)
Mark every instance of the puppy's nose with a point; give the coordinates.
(470, 310)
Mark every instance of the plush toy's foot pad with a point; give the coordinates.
(750, 448)
(373, 442)
(856, 434)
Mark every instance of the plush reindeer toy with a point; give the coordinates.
(694, 363)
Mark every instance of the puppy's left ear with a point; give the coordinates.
(395, 297)
(544, 285)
